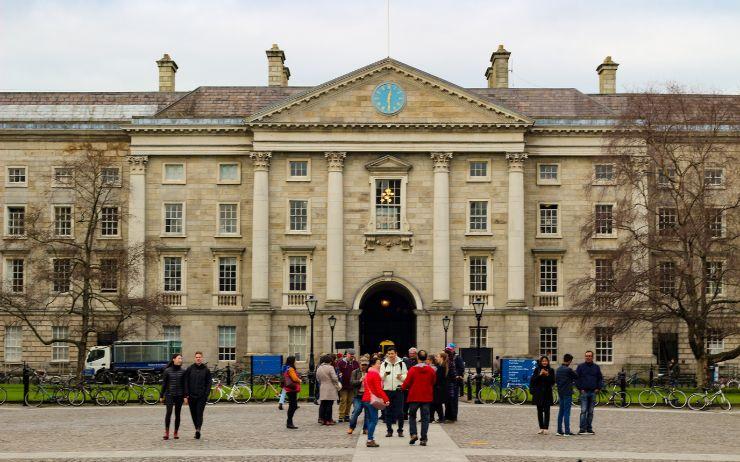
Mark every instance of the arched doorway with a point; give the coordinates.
(387, 313)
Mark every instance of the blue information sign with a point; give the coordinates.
(267, 365)
(516, 371)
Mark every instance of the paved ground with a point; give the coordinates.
(257, 433)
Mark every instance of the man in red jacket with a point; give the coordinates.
(420, 386)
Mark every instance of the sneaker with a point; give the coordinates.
(166, 436)
(423, 443)
(413, 439)
(176, 436)
(291, 426)
(372, 444)
(590, 432)
(197, 435)
(570, 434)
(582, 432)
(560, 434)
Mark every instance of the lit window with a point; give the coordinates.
(388, 205)
(227, 343)
(604, 345)
(297, 342)
(109, 219)
(228, 219)
(173, 218)
(604, 222)
(548, 219)
(549, 342)
(63, 221)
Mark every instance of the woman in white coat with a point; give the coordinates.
(329, 387)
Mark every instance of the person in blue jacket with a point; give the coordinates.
(589, 383)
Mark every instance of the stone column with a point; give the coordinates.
(335, 230)
(441, 230)
(516, 230)
(260, 230)
(137, 217)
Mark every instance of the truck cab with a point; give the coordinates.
(98, 359)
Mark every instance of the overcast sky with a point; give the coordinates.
(112, 45)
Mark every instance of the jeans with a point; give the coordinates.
(413, 407)
(372, 420)
(197, 407)
(394, 412)
(292, 405)
(588, 401)
(357, 408)
(282, 397)
(566, 401)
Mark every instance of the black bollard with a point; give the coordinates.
(623, 387)
(470, 387)
(26, 382)
(650, 377)
(228, 375)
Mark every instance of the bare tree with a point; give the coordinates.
(675, 214)
(69, 266)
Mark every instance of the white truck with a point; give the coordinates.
(130, 356)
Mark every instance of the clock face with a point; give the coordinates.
(389, 98)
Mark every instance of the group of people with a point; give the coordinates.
(189, 386)
(419, 384)
(587, 379)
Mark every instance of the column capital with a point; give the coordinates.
(441, 161)
(335, 160)
(137, 164)
(516, 160)
(261, 160)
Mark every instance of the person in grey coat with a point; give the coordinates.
(329, 388)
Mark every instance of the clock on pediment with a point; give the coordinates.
(389, 98)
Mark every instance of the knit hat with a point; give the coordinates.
(451, 347)
(351, 351)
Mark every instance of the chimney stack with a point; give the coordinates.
(167, 70)
(497, 73)
(607, 76)
(277, 72)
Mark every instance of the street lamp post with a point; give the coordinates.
(311, 303)
(446, 325)
(478, 306)
(332, 324)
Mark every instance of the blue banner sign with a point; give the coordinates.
(267, 365)
(516, 372)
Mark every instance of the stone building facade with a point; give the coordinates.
(395, 210)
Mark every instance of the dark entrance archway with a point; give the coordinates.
(387, 313)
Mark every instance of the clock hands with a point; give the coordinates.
(388, 103)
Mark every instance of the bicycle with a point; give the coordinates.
(238, 393)
(41, 393)
(146, 394)
(265, 387)
(3, 396)
(701, 400)
(614, 396)
(649, 397)
(78, 394)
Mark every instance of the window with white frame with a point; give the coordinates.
(548, 173)
(298, 215)
(62, 177)
(173, 173)
(478, 170)
(15, 274)
(603, 274)
(299, 170)
(549, 220)
(715, 342)
(171, 332)
(713, 271)
(666, 177)
(549, 342)
(604, 219)
(388, 204)
(172, 276)
(110, 176)
(228, 219)
(604, 173)
(13, 344)
(667, 277)
(478, 274)
(227, 274)
(297, 342)
(174, 214)
(60, 350)
(478, 216)
(297, 273)
(229, 173)
(483, 336)
(16, 176)
(715, 222)
(63, 220)
(61, 275)
(667, 221)
(604, 348)
(714, 177)
(548, 280)
(227, 343)
(108, 275)
(15, 222)
(109, 221)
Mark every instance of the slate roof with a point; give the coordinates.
(103, 98)
(211, 102)
(542, 103)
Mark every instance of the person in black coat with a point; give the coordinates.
(198, 382)
(173, 393)
(540, 385)
(440, 387)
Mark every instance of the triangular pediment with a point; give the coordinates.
(388, 164)
(430, 101)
